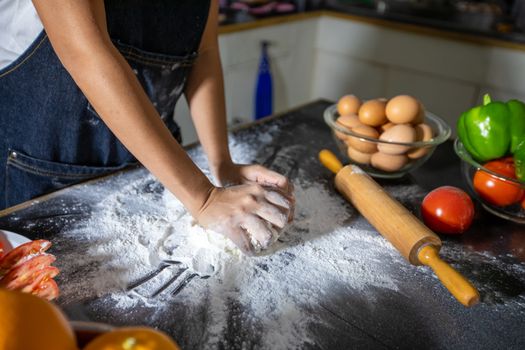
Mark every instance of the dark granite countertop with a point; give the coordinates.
(418, 313)
(445, 20)
(457, 23)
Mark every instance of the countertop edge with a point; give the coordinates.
(410, 28)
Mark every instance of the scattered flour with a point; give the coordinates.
(316, 252)
(328, 252)
(133, 230)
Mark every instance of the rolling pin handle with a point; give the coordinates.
(457, 285)
(330, 161)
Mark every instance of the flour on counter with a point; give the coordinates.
(277, 297)
(129, 236)
(273, 294)
(133, 230)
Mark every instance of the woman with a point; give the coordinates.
(91, 92)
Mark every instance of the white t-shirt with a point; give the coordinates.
(19, 27)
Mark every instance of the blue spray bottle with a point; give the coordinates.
(264, 85)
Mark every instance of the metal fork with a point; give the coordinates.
(184, 275)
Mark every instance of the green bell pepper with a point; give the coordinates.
(485, 130)
(519, 160)
(517, 123)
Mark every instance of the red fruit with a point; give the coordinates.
(39, 278)
(448, 210)
(47, 289)
(2, 250)
(25, 273)
(22, 253)
(497, 191)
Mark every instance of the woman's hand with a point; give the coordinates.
(244, 212)
(235, 174)
(229, 173)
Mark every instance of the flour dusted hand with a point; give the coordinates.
(249, 215)
(229, 173)
(236, 174)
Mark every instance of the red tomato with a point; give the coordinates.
(498, 191)
(447, 209)
(2, 250)
(22, 253)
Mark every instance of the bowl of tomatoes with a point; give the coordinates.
(494, 184)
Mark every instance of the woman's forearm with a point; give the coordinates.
(112, 88)
(205, 95)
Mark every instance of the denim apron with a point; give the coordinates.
(51, 137)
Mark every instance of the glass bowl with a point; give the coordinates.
(415, 154)
(469, 167)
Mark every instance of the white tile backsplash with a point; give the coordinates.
(506, 70)
(392, 47)
(444, 97)
(240, 47)
(336, 75)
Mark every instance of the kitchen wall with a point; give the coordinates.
(327, 57)
(292, 61)
(448, 76)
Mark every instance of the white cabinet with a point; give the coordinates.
(505, 73)
(336, 74)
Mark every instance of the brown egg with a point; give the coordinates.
(340, 135)
(363, 145)
(385, 127)
(402, 109)
(359, 157)
(402, 133)
(423, 133)
(348, 104)
(372, 113)
(388, 162)
(420, 116)
(348, 121)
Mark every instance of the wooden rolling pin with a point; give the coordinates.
(418, 244)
